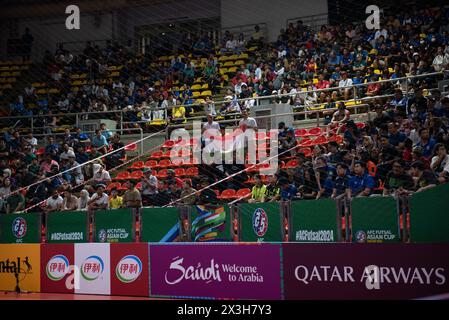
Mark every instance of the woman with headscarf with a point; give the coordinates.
(83, 200)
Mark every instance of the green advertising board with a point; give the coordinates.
(67, 227)
(210, 224)
(159, 225)
(20, 228)
(114, 226)
(314, 221)
(375, 220)
(429, 215)
(260, 222)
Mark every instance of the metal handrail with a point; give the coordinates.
(257, 99)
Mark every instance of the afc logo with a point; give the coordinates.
(260, 222)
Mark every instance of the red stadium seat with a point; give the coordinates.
(162, 174)
(150, 164)
(360, 125)
(138, 165)
(306, 143)
(320, 140)
(139, 186)
(168, 144)
(124, 175)
(166, 154)
(180, 172)
(300, 133)
(136, 175)
(124, 186)
(192, 172)
(243, 193)
(314, 132)
(156, 155)
(306, 151)
(113, 185)
(40, 151)
(291, 164)
(227, 194)
(131, 147)
(164, 163)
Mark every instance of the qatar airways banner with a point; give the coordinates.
(217, 271)
(361, 271)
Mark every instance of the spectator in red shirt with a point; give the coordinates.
(322, 84)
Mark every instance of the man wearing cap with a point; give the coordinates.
(132, 197)
(149, 188)
(172, 179)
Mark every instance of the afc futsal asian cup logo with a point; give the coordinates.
(92, 268)
(360, 236)
(57, 267)
(128, 269)
(102, 235)
(19, 227)
(260, 222)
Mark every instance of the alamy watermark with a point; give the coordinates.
(212, 146)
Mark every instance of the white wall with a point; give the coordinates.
(273, 13)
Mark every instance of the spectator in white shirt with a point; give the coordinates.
(345, 82)
(83, 200)
(247, 122)
(54, 203)
(440, 163)
(238, 86)
(99, 200)
(441, 60)
(209, 107)
(101, 175)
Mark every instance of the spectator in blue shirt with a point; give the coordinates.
(361, 183)
(99, 142)
(288, 191)
(341, 183)
(395, 137)
(426, 143)
(105, 132)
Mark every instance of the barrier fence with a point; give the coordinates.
(422, 217)
(259, 271)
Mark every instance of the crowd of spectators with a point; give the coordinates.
(403, 149)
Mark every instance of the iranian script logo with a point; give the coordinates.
(19, 227)
(177, 272)
(128, 269)
(260, 222)
(92, 268)
(57, 267)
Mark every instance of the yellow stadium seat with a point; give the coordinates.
(233, 57)
(42, 91)
(252, 49)
(199, 101)
(315, 80)
(196, 94)
(205, 86)
(390, 70)
(206, 93)
(243, 56)
(195, 87)
(223, 58)
(377, 71)
(198, 80)
(232, 70)
(223, 71)
(225, 77)
(53, 90)
(239, 62)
